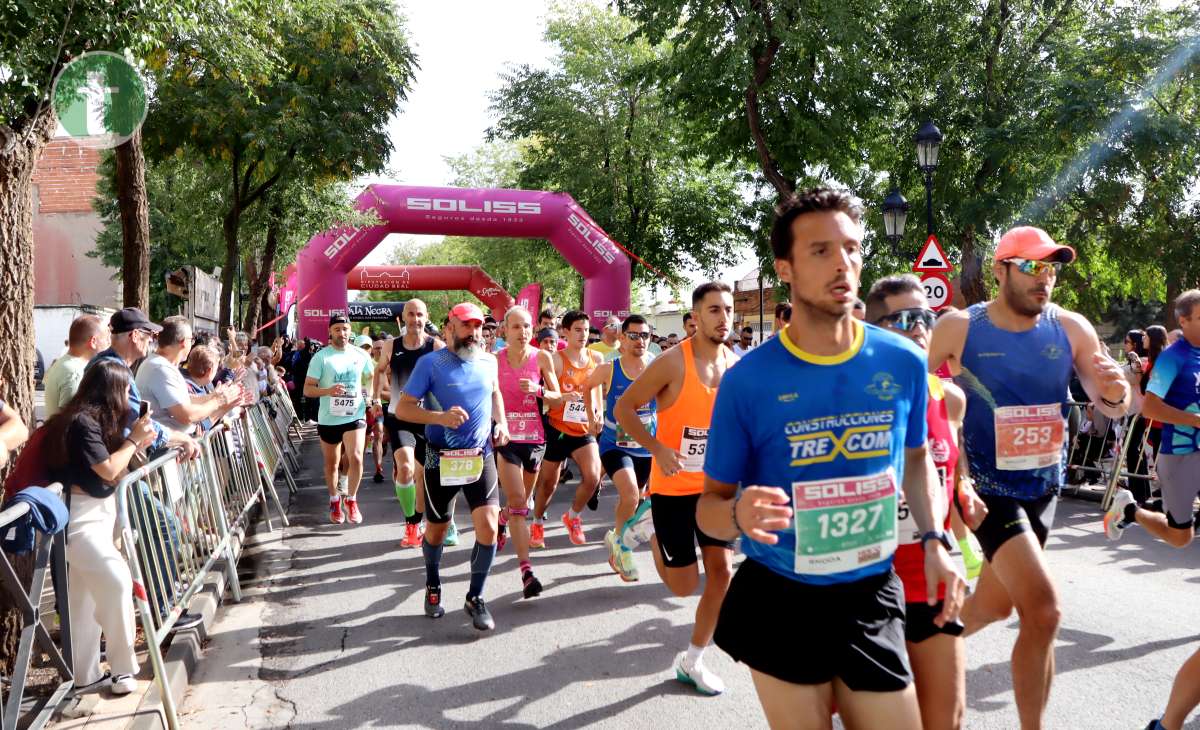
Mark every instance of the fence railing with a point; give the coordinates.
(1110, 452)
(180, 519)
(49, 554)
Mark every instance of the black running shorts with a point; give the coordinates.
(809, 634)
(560, 446)
(332, 435)
(1008, 517)
(614, 460)
(675, 527)
(527, 456)
(403, 434)
(919, 625)
(480, 493)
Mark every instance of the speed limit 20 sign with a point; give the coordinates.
(937, 288)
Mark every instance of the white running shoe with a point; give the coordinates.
(640, 527)
(1114, 518)
(123, 684)
(343, 485)
(699, 676)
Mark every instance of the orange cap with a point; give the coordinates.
(467, 312)
(1027, 242)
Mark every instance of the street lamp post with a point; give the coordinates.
(929, 140)
(895, 214)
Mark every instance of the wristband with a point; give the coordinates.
(131, 442)
(733, 513)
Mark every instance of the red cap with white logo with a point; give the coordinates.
(467, 312)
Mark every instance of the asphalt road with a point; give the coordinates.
(332, 634)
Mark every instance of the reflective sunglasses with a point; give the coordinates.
(635, 336)
(906, 320)
(1031, 267)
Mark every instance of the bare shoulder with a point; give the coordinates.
(1075, 323)
(667, 366)
(954, 324)
(956, 401)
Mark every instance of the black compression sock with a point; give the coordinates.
(1131, 512)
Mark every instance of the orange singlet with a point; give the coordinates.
(571, 416)
(684, 427)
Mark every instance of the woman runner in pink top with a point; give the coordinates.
(526, 375)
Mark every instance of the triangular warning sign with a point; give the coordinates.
(932, 257)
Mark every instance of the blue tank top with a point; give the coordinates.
(1014, 431)
(613, 436)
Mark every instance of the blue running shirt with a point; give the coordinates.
(830, 431)
(613, 436)
(1176, 379)
(454, 381)
(1016, 385)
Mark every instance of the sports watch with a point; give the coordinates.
(940, 536)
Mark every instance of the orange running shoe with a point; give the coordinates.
(537, 535)
(352, 512)
(412, 536)
(574, 527)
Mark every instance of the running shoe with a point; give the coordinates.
(480, 616)
(699, 676)
(352, 512)
(378, 477)
(123, 684)
(530, 585)
(537, 535)
(593, 502)
(574, 527)
(610, 542)
(1114, 518)
(451, 535)
(620, 558)
(433, 602)
(638, 529)
(412, 536)
(343, 485)
(335, 512)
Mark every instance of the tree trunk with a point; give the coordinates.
(17, 354)
(262, 275)
(135, 222)
(971, 286)
(229, 227)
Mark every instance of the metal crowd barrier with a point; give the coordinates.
(1110, 452)
(179, 518)
(49, 554)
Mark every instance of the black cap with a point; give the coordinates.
(546, 333)
(130, 319)
(338, 318)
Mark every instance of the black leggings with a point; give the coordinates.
(1136, 461)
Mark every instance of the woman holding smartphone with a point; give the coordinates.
(88, 447)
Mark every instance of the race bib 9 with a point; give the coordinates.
(575, 412)
(692, 445)
(1028, 437)
(844, 524)
(460, 466)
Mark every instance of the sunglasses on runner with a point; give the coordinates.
(906, 320)
(1030, 267)
(635, 336)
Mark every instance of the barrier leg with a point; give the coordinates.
(269, 487)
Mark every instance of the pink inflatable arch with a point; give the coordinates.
(433, 278)
(328, 257)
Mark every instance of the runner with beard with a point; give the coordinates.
(683, 383)
(462, 379)
(397, 360)
(526, 376)
(1013, 357)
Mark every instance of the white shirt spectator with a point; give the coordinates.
(162, 385)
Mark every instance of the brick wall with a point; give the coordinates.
(66, 178)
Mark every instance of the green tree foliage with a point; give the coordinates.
(338, 71)
(1025, 93)
(597, 126)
